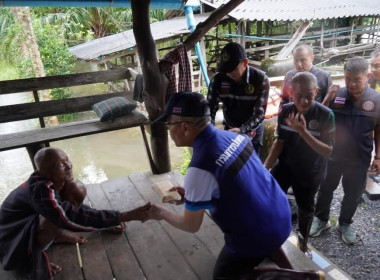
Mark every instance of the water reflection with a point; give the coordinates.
(95, 158)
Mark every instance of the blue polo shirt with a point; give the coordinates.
(355, 123)
(226, 176)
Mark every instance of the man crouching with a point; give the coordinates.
(47, 208)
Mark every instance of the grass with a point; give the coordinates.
(7, 72)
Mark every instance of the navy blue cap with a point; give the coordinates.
(232, 54)
(185, 104)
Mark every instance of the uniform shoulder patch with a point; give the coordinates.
(368, 106)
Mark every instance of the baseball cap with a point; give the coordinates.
(185, 104)
(232, 54)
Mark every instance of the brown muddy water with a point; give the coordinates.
(96, 158)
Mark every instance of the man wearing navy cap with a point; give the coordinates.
(254, 215)
(243, 90)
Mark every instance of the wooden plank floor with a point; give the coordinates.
(150, 250)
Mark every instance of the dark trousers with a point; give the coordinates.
(353, 182)
(229, 267)
(305, 186)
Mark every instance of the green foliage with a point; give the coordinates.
(204, 91)
(60, 93)
(24, 67)
(186, 161)
(8, 72)
(157, 15)
(9, 39)
(54, 52)
(268, 138)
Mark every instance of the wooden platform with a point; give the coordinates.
(150, 250)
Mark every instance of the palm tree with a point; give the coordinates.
(24, 19)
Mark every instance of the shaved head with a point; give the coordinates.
(42, 156)
(54, 165)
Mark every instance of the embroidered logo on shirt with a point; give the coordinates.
(222, 159)
(249, 89)
(313, 124)
(368, 105)
(339, 102)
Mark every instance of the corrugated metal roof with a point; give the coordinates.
(300, 9)
(122, 41)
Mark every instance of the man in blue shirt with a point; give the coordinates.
(227, 178)
(357, 115)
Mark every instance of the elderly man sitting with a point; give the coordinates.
(46, 208)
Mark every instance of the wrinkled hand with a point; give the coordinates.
(296, 121)
(181, 192)
(155, 212)
(137, 214)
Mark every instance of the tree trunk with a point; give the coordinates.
(155, 82)
(25, 20)
(24, 49)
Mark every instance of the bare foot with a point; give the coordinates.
(55, 268)
(70, 237)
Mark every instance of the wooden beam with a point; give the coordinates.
(288, 48)
(49, 82)
(42, 109)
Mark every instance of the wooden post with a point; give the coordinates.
(259, 32)
(155, 82)
(359, 36)
(333, 42)
(352, 31)
(242, 31)
(322, 31)
(288, 48)
(32, 150)
(266, 55)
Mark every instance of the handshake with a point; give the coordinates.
(174, 195)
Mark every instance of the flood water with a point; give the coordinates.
(95, 158)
